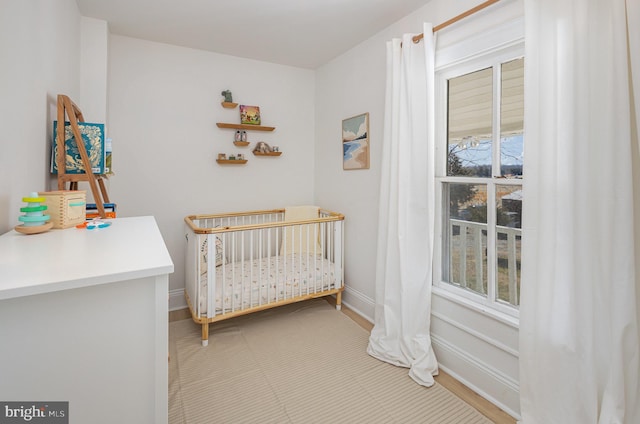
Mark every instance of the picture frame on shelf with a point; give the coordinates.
(355, 142)
(250, 115)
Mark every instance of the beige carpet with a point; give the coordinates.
(301, 363)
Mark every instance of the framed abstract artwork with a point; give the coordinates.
(355, 142)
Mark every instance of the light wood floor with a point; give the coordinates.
(485, 407)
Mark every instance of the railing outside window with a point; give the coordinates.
(468, 264)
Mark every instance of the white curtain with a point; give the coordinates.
(406, 213)
(579, 313)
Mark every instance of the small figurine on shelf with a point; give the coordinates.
(240, 156)
(227, 96)
(34, 220)
(262, 147)
(238, 136)
(222, 156)
(232, 157)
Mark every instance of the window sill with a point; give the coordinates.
(464, 301)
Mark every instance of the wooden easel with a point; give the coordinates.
(72, 111)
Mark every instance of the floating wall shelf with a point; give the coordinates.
(244, 127)
(241, 143)
(231, 162)
(267, 154)
(229, 105)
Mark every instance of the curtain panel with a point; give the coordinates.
(579, 313)
(401, 334)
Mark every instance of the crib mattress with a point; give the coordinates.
(245, 284)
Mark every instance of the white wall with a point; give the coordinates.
(94, 66)
(164, 102)
(39, 47)
(350, 85)
(478, 349)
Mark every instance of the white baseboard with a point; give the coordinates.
(492, 385)
(359, 303)
(177, 300)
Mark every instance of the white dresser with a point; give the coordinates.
(83, 319)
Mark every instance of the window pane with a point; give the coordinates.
(469, 124)
(512, 118)
(466, 236)
(471, 157)
(508, 241)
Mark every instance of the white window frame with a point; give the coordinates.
(488, 50)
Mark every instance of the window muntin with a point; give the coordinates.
(484, 114)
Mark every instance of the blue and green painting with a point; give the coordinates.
(355, 142)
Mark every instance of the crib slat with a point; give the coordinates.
(223, 283)
(268, 263)
(211, 266)
(233, 271)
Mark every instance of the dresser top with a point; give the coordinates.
(56, 260)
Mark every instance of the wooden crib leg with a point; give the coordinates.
(339, 300)
(205, 334)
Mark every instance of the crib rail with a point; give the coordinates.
(239, 263)
(217, 223)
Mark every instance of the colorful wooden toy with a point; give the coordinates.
(34, 220)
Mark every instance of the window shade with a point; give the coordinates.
(471, 103)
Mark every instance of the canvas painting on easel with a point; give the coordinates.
(94, 143)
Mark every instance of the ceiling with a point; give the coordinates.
(301, 33)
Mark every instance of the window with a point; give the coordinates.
(479, 177)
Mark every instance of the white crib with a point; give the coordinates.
(239, 263)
